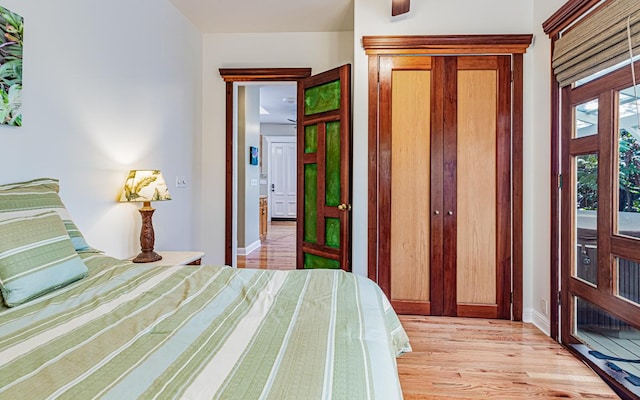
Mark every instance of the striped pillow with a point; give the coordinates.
(34, 197)
(36, 257)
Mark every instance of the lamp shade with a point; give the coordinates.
(145, 185)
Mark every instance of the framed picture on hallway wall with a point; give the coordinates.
(253, 155)
(12, 26)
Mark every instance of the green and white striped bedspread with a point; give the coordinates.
(135, 331)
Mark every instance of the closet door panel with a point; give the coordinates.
(410, 186)
(476, 187)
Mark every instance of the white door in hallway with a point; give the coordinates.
(283, 179)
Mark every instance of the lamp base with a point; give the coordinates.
(147, 256)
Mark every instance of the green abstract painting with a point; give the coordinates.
(12, 26)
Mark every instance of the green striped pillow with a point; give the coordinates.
(34, 197)
(36, 257)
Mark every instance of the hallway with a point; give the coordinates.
(278, 251)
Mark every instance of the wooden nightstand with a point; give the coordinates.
(170, 258)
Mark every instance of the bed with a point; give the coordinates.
(143, 331)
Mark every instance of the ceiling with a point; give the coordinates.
(280, 103)
(238, 16)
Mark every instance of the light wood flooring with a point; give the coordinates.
(466, 358)
(278, 251)
(471, 358)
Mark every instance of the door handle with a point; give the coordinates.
(344, 207)
(449, 212)
(436, 212)
(273, 187)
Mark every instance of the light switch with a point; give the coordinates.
(254, 182)
(181, 182)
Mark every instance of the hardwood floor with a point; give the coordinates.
(466, 358)
(278, 250)
(470, 358)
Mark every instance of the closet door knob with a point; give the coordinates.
(436, 212)
(450, 212)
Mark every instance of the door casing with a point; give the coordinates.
(231, 76)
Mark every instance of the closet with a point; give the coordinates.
(445, 173)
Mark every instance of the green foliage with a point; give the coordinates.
(629, 176)
(587, 168)
(629, 172)
(11, 44)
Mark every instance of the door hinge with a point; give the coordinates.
(559, 181)
(511, 75)
(559, 298)
(511, 297)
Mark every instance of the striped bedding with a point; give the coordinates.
(137, 331)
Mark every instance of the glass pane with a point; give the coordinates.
(628, 278)
(332, 186)
(586, 267)
(332, 228)
(586, 119)
(628, 182)
(609, 338)
(310, 203)
(311, 138)
(322, 98)
(312, 261)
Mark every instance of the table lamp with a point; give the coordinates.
(145, 186)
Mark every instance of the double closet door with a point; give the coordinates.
(444, 184)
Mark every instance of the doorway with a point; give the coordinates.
(232, 77)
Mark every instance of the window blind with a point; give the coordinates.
(598, 42)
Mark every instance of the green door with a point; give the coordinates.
(324, 170)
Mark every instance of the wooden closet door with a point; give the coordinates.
(444, 185)
(406, 162)
(477, 188)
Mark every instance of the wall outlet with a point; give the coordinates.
(544, 305)
(181, 182)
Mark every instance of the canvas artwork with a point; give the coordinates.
(253, 155)
(12, 26)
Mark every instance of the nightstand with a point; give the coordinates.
(170, 258)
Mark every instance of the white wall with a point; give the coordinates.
(248, 135)
(108, 89)
(320, 51)
(537, 161)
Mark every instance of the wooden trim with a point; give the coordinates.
(372, 228)
(447, 44)
(583, 145)
(263, 74)
(321, 184)
(231, 75)
(566, 15)
(438, 89)
(346, 174)
(504, 193)
(478, 311)
(565, 233)
(450, 187)
(554, 261)
(228, 194)
(517, 160)
(411, 307)
(606, 123)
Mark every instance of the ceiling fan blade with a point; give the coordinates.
(399, 7)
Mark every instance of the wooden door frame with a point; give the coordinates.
(513, 45)
(230, 76)
(564, 17)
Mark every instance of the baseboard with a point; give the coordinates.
(245, 251)
(538, 319)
